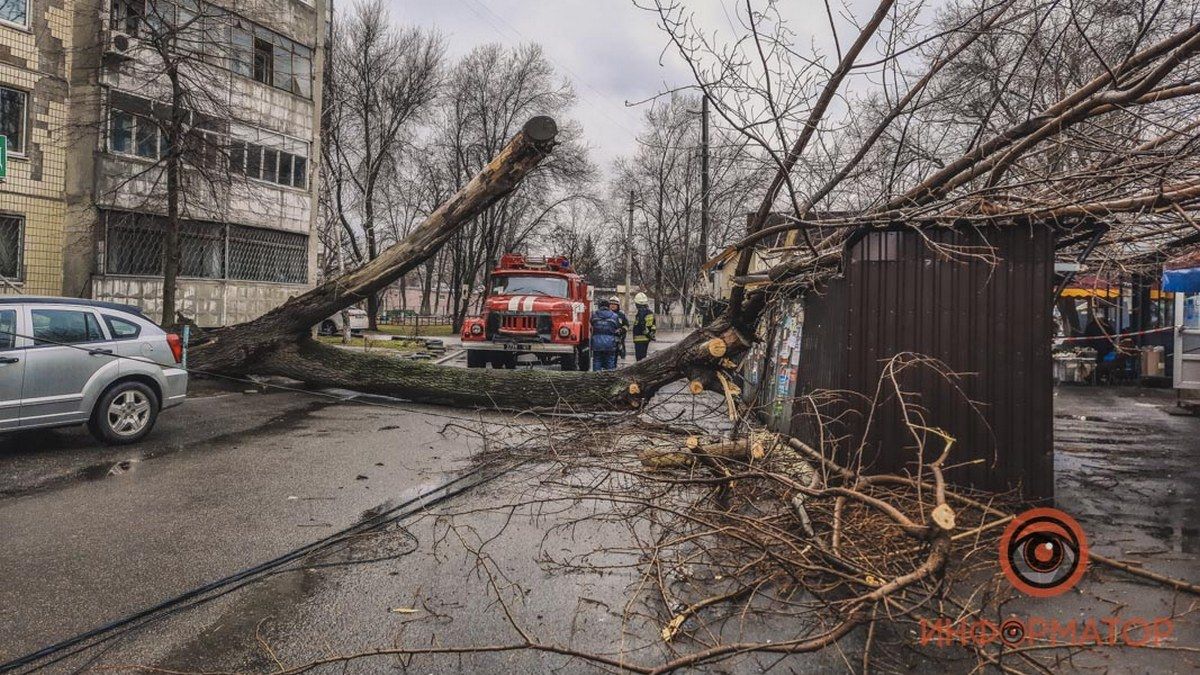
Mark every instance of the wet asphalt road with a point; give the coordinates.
(226, 481)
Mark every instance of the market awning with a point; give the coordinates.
(1186, 280)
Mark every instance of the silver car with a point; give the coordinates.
(65, 361)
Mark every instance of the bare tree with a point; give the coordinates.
(383, 79)
(178, 118)
(488, 96)
(665, 175)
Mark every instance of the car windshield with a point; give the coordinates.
(523, 285)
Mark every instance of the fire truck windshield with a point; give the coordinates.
(526, 285)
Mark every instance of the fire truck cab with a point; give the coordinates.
(536, 306)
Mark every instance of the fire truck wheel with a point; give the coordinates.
(584, 360)
(569, 361)
(476, 358)
(503, 360)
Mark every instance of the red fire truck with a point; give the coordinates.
(536, 306)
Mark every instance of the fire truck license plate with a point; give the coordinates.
(517, 347)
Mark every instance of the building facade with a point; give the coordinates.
(36, 55)
(233, 87)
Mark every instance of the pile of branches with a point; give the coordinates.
(760, 524)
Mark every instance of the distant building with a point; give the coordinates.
(83, 211)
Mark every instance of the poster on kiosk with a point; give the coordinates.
(1184, 282)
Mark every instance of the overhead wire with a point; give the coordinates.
(220, 587)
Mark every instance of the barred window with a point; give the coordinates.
(11, 236)
(136, 243)
(267, 255)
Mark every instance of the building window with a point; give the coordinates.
(147, 139)
(264, 61)
(299, 172)
(13, 104)
(126, 15)
(15, 12)
(242, 44)
(130, 134)
(12, 237)
(268, 164)
(120, 132)
(141, 135)
(134, 245)
(267, 255)
(270, 58)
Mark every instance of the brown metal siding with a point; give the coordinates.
(990, 324)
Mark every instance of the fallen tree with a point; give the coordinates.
(697, 357)
(241, 348)
(279, 342)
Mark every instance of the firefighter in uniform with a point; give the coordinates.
(614, 303)
(643, 326)
(605, 327)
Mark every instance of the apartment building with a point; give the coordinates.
(35, 61)
(94, 94)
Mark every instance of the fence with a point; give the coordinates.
(414, 320)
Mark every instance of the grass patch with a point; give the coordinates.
(442, 329)
(394, 345)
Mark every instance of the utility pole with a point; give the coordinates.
(704, 184)
(629, 257)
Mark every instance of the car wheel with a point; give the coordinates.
(476, 358)
(585, 360)
(327, 328)
(124, 414)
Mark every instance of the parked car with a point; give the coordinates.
(333, 325)
(65, 361)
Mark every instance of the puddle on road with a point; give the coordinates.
(1177, 538)
(107, 469)
(265, 608)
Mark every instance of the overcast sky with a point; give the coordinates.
(612, 51)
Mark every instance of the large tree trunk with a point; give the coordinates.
(695, 358)
(237, 349)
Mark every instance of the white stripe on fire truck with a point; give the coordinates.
(514, 303)
(528, 304)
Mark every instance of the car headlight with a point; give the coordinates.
(564, 332)
(476, 329)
